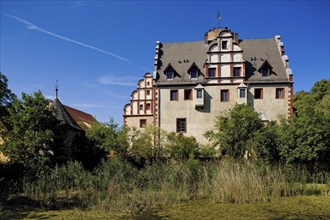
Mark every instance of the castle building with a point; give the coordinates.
(193, 82)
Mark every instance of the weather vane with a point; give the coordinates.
(56, 88)
(218, 19)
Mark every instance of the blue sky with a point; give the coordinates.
(98, 50)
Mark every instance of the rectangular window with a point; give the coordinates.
(174, 95)
(237, 72)
(242, 93)
(143, 123)
(148, 106)
(279, 93)
(224, 95)
(141, 107)
(211, 72)
(169, 74)
(148, 92)
(181, 126)
(187, 94)
(258, 93)
(194, 73)
(199, 94)
(224, 44)
(265, 72)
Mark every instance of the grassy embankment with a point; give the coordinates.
(172, 189)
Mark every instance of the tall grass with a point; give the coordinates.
(116, 184)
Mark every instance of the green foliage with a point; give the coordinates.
(108, 137)
(306, 138)
(6, 96)
(30, 140)
(264, 144)
(181, 147)
(232, 132)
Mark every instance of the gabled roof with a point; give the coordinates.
(256, 52)
(63, 115)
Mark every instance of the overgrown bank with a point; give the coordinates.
(118, 185)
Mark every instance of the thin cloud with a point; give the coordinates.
(120, 81)
(116, 95)
(89, 105)
(36, 28)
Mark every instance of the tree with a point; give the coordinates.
(233, 131)
(6, 96)
(108, 137)
(306, 138)
(181, 147)
(30, 140)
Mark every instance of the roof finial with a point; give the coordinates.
(218, 19)
(56, 89)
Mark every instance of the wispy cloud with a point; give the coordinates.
(116, 95)
(90, 105)
(120, 81)
(36, 28)
(77, 4)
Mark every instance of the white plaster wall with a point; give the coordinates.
(198, 121)
(225, 57)
(135, 121)
(214, 58)
(269, 105)
(225, 70)
(237, 57)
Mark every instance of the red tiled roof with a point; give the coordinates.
(79, 115)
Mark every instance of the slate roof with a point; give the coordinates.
(255, 53)
(181, 56)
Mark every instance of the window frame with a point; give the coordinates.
(143, 123)
(213, 69)
(281, 95)
(226, 97)
(265, 72)
(240, 93)
(260, 93)
(186, 95)
(176, 95)
(148, 92)
(169, 70)
(178, 129)
(199, 93)
(224, 45)
(148, 107)
(141, 107)
(194, 72)
(235, 69)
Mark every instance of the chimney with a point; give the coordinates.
(206, 38)
(236, 38)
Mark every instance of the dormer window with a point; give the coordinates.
(193, 71)
(169, 73)
(265, 69)
(265, 72)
